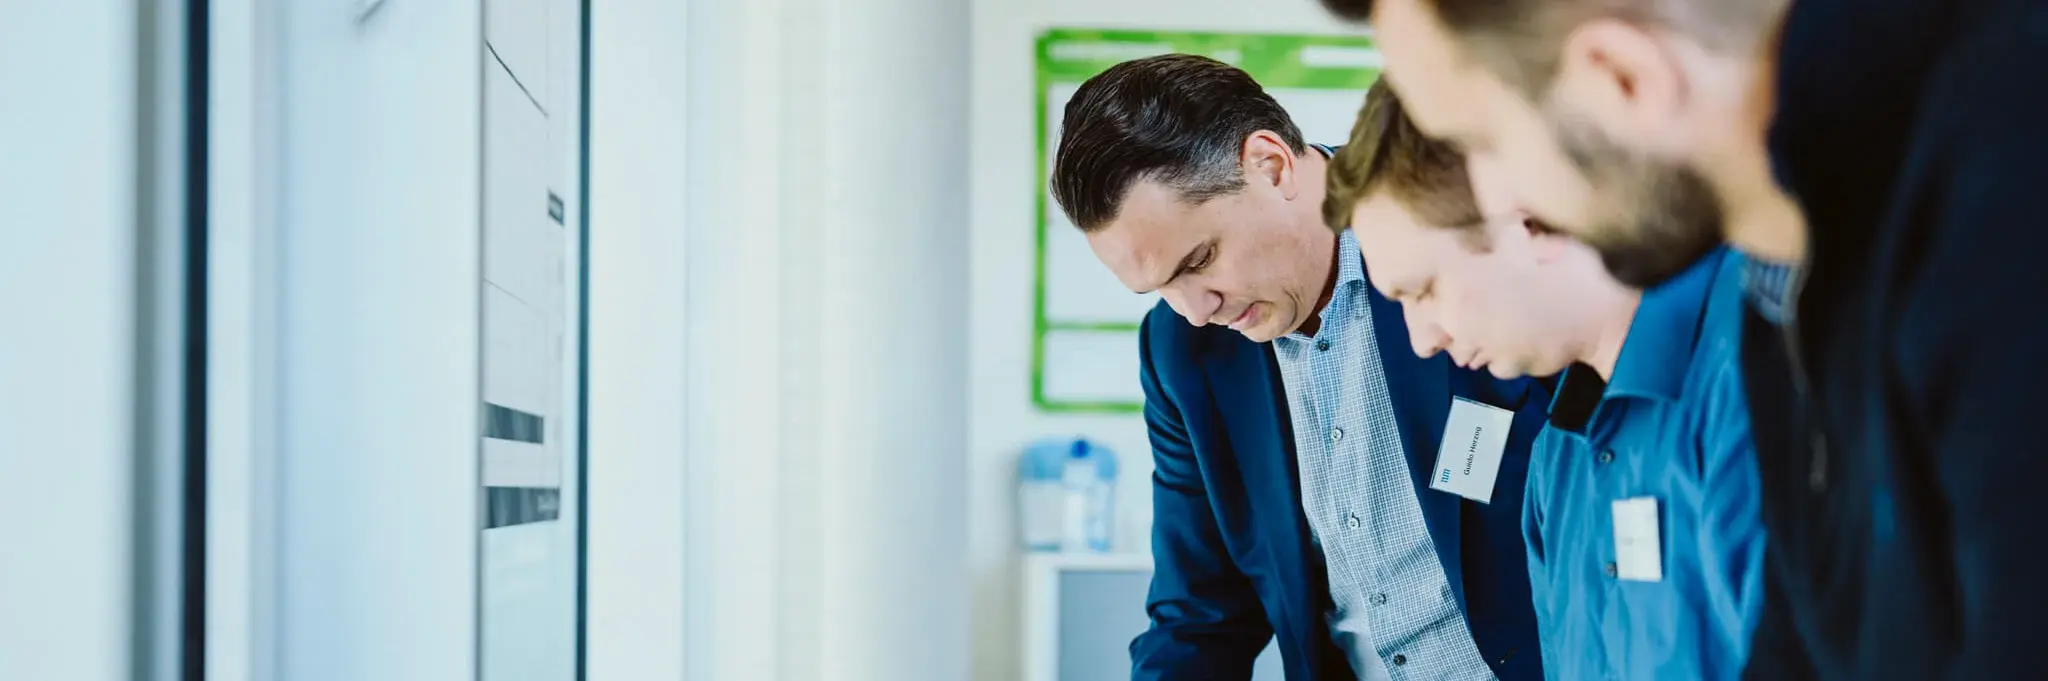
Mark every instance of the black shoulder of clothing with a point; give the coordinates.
(1913, 134)
(1577, 393)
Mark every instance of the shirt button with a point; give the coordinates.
(1379, 599)
(1400, 659)
(1612, 570)
(1322, 345)
(1353, 521)
(1336, 434)
(1606, 456)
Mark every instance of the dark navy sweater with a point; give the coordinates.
(1901, 433)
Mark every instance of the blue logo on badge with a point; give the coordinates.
(1446, 477)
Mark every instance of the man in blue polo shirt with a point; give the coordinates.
(1645, 546)
(1645, 462)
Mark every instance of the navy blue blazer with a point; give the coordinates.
(1234, 562)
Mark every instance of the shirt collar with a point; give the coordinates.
(1350, 263)
(1350, 276)
(1658, 350)
(1656, 354)
(1768, 287)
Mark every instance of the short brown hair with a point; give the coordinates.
(1521, 40)
(1388, 154)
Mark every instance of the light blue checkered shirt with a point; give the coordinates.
(1393, 613)
(1768, 285)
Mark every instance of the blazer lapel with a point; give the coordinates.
(1251, 398)
(1421, 392)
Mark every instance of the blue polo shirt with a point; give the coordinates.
(1671, 426)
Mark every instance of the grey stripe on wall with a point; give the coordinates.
(506, 506)
(506, 423)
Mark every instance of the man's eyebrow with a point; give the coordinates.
(1396, 292)
(1393, 293)
(1178, 269)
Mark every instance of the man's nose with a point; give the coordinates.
(1427, 338)
(1198, 306)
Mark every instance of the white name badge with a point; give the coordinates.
(1469, 460)
(1638, 551)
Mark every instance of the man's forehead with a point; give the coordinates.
(1386, 238)
(1423, 63)
(1377, 214)
(1373, 236)
(1424, 90)
(1116, 245)
(1409, 24)
(1144, 247)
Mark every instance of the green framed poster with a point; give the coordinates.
(1084, 346)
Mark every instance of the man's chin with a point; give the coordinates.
(1511, 369)
(1506, 371)
(1538, 367)
(1265, 333)
(1261, 335)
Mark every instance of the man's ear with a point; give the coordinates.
(1621, 76)
(1266, 158)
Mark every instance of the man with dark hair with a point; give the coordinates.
(1881, 164)
(1297, 490)
(1645, 548)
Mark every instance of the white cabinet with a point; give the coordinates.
(1081, 612)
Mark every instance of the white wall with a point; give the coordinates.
(637, 345)
(1002, 418)
(67, 293)
(827, 165)
(378, 336)
(892, 291)
(735, 517)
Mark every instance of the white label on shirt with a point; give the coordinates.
(1469, 459)
(1638, 555)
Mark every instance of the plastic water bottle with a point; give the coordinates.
(1040, 511)
(1065, 497)
(1088, 484)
